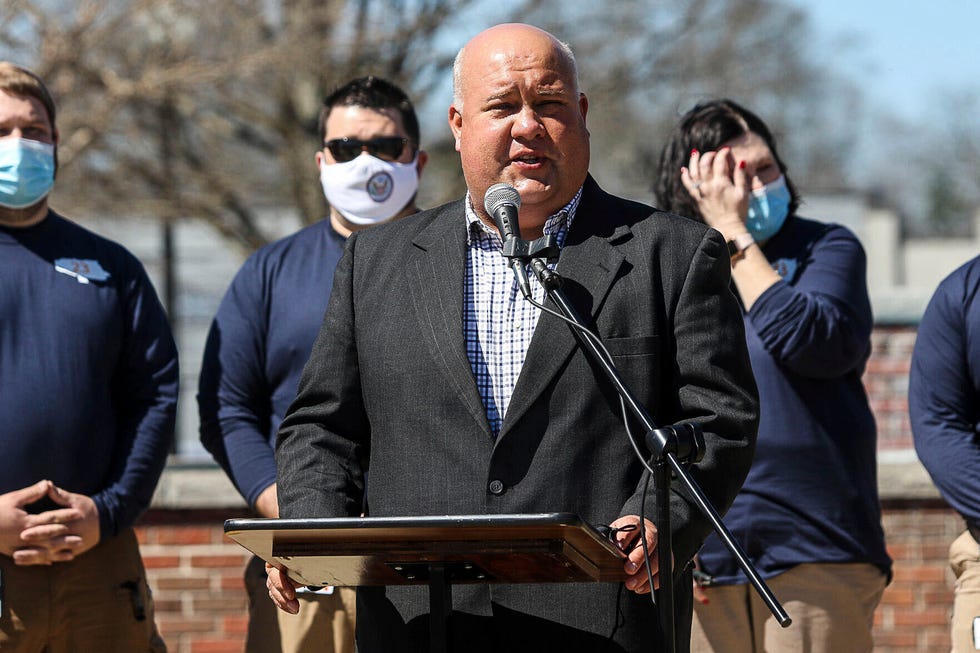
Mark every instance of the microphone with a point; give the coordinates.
(502, 202)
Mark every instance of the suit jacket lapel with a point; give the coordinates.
(437, 296)
(589, 266)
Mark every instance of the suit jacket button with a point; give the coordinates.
(496, 487)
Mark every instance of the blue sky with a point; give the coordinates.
(906, 53)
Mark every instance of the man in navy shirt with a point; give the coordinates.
(944, 404)
(369, 165)
(88, 393)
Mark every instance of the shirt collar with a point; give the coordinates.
(557, 224)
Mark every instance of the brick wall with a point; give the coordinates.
(196, 576)
(196, 573)
(915, 610)
(886, 379)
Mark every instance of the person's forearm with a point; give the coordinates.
(753, 275)
(267, 505)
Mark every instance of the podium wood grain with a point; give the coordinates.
(539, 548)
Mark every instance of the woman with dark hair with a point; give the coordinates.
(808, 514)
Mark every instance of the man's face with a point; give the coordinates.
(365, 124)
(24, 117)
(522, 122)
(381, 133)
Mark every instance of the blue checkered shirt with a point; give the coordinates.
(497, 321)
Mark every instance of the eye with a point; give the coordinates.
(767, 171)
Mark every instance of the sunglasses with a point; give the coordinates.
(383, 147)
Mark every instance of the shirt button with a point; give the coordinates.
(496, 487)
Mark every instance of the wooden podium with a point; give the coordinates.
(435, 551)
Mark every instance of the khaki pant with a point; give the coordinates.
(325, 623)
(964, 560)
(832, 607)
(98, 602)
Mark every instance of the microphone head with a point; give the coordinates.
(499, 195)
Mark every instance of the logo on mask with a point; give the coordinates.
(367, 190)
(379, 186)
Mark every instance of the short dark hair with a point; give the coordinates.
(371, 93)
(16, 80)
(705, 128)
(20, 81)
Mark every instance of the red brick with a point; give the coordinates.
(216, 646)
(167, 605)
(937, 597)
(180, 625)
(937, 639)
(235, 624)
(186, 535)
(219, 560)
(920, 574)
(232, 583)
(898, 596)
(937, 551)
(144, 535)
(927, 617)
(900, 550)
(183, 583)
(214, 605)
(160, 561)
(905, 640)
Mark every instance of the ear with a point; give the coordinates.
(456, 123)
(423, 158)
(583, 105)
(320, 159)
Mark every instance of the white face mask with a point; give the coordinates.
(367, 190)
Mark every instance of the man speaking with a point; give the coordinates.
(460, 398)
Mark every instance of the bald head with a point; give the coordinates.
(516, 33)
(518, 118)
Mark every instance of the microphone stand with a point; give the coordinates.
(669, 445)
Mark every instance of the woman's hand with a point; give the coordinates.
(721, 189)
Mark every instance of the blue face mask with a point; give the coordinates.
(26, 172)
(768, 209)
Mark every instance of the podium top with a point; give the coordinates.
(533, 548)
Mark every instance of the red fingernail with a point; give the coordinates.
(741, 164)
(694, 151)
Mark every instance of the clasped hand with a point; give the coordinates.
(48, 537)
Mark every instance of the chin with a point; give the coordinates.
(532, 190)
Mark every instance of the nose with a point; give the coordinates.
(527, 124)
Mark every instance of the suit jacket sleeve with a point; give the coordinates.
(713, 385)
(325, 434)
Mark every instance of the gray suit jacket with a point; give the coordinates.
(389, 388)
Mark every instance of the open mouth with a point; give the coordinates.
(529, 159)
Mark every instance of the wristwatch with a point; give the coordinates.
(738, 245)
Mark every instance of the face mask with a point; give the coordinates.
(26, 172)
(367, 190)
(768, 209)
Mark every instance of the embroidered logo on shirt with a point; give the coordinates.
(84, 270)
(785, 267)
